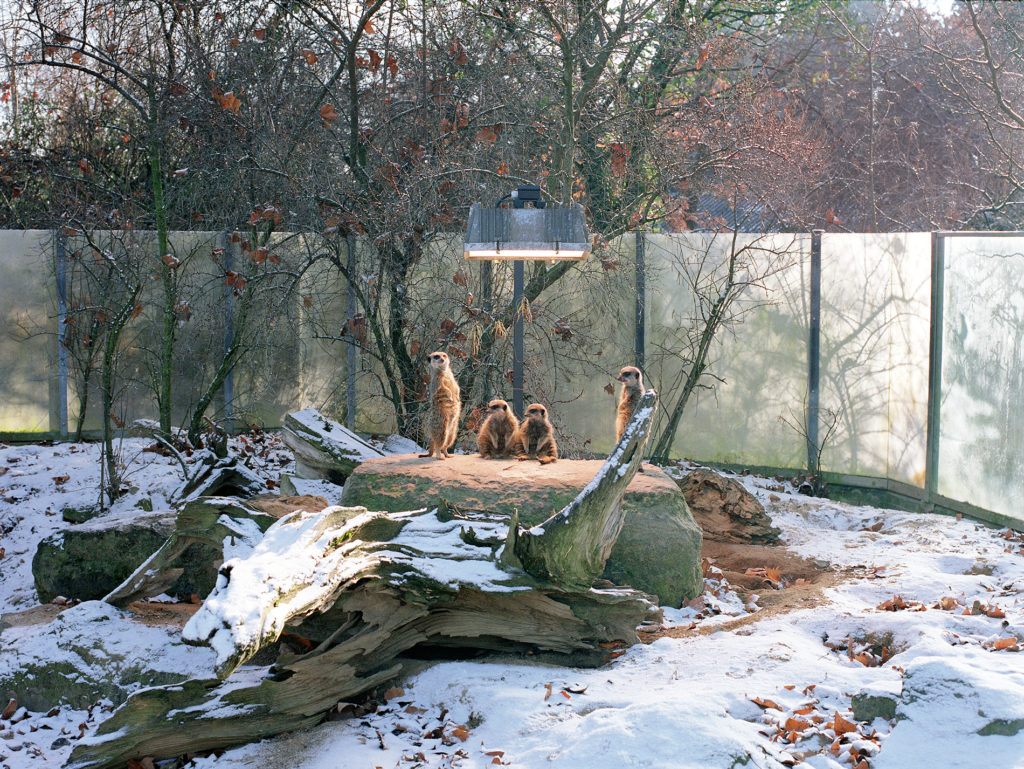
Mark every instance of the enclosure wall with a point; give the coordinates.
(296, 332)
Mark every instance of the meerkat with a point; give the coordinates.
(495, 438)
(536, 437)
(632, 388)
(441, 425)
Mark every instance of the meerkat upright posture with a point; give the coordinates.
(536, 437)
(495, 438)
(441, 425)
(632, 388)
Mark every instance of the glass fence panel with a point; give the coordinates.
(981, 433)
(286, 308)
(116, 275)
(748, 407)
(875, 295)
(580, 338)
(28, 346)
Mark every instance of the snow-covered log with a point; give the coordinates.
(323, 448)
(215, 477)
(351, 598)
(218, 524)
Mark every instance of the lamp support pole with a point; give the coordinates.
(517, 337)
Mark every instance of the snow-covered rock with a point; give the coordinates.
(89, 652)
(657, 551)
(322, 447)
(88, 560)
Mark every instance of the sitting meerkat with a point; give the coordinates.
(536, 437)
(632, 388)
(441, 425)
(495, 438)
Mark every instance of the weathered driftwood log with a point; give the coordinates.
(323, 448)
(218, 524)
(213, 477)
(354, 594)
(572, 546)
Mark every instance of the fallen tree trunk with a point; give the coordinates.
(348, 596)
(214, 523)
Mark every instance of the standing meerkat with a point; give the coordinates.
(632, 388)
(495, 438)
(536, 437)
(441, 425)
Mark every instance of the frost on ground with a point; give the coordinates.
(909, 660)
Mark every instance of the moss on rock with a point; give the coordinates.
(658, 550)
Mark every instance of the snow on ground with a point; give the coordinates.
(928, 611)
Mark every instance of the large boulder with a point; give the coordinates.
(322, 447)
(89, 560)
(658, 550)
(725, 510)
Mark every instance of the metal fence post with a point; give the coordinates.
(518, 279)
(229, 337)
(641, 302)
(931, 461)
(350, 385)
(814, 355)
(62, 318)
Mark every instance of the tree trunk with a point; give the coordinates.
(359, 590)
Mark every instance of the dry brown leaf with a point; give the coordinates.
(990, 610)
(842, 726)
(10, 710)
(393, 692)
(796, 725)
(486, 135)
(461, 731)
(547, 691)
(765, 703)
(896, 603)
(328, 114)
(1006, 644)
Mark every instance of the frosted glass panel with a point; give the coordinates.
(757, 362)
(598, 305)
(28, 344)
(981, 435)
(875, 293)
